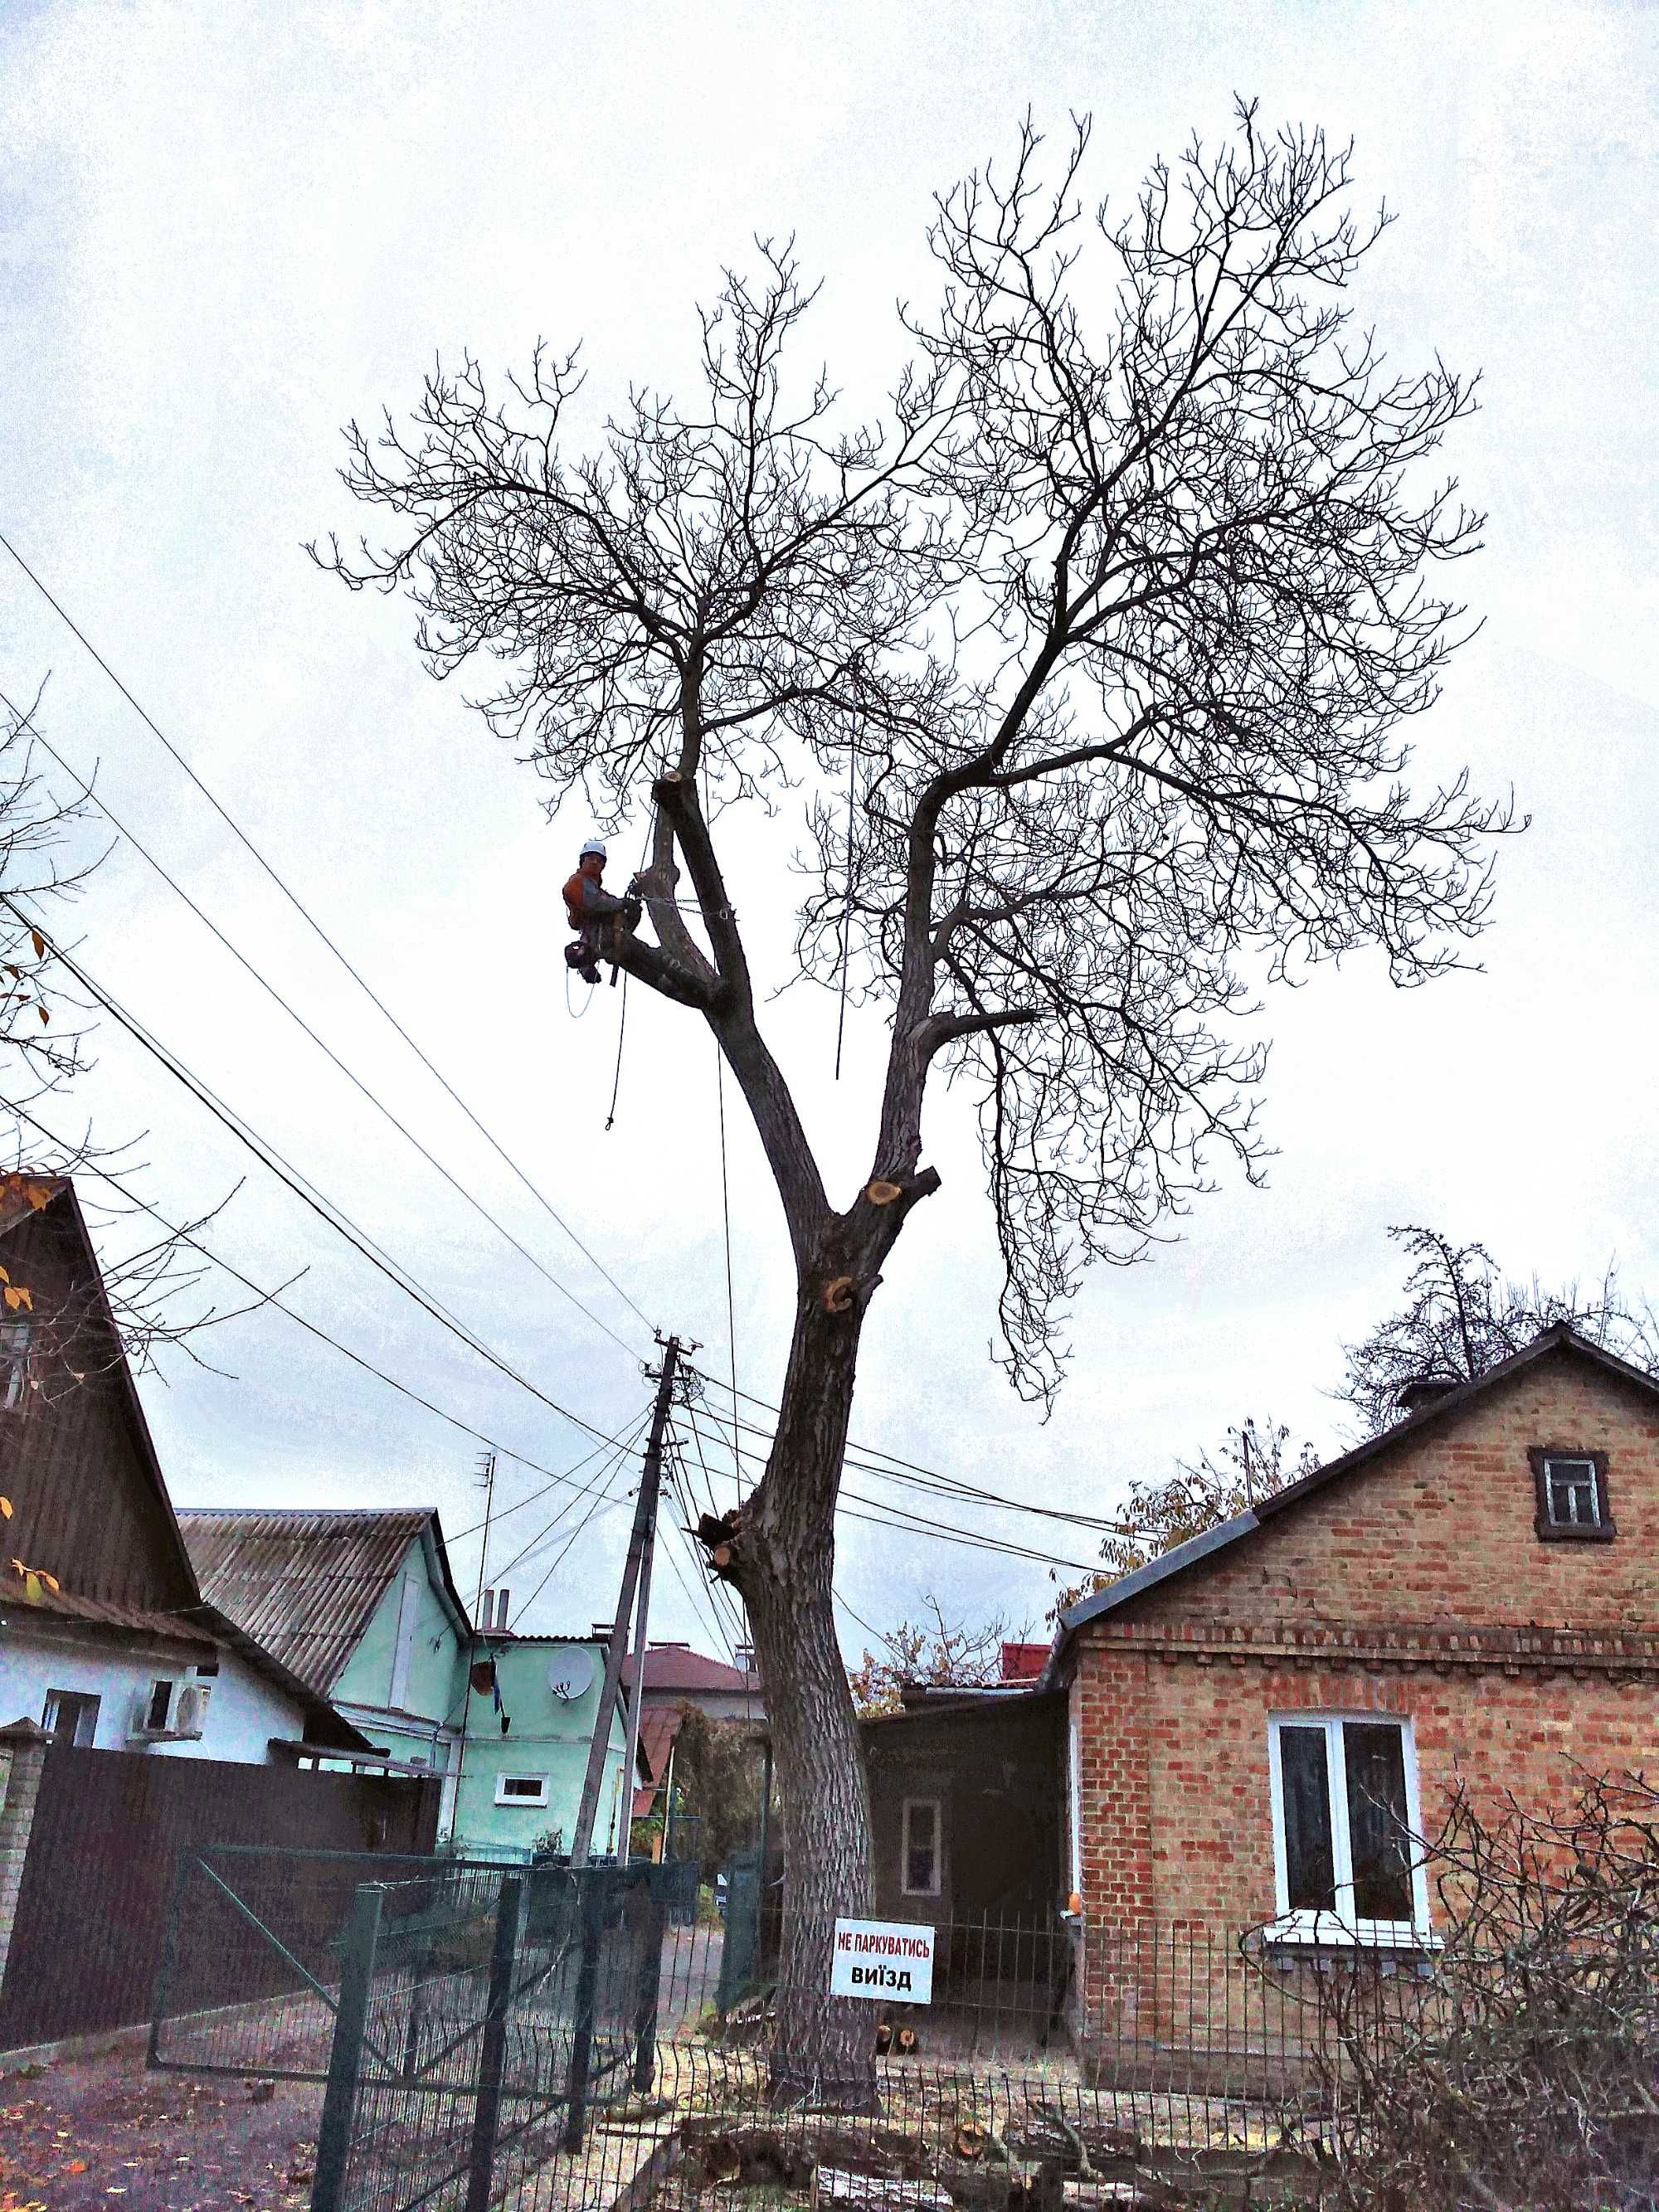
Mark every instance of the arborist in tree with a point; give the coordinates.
(597, 915)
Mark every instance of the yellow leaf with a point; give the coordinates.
(39, 945)
(51, 1581)
(6, 1508)
(26, 1295)
(14, 1300)
(4, 1277)
(39, 1196)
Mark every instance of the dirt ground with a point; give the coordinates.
(104, 2135)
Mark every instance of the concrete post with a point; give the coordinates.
(22, 1755)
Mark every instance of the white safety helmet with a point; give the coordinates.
(595, 847)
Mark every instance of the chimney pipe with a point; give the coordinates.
(487, 1611)
(1423, 1390)
(501, 1596)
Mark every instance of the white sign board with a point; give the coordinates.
(890, 1960)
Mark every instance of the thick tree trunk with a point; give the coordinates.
(823, 2048)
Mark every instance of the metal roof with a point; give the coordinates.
(304, 1584)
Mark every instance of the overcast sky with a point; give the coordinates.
(226, 229)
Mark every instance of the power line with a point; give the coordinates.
(602, 1504)
(311, 1328)
(300, 907)
(299, 1020)
(951, 1487)
(290, 1177)
(600, 1482)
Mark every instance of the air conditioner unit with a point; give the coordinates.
(190, 1708)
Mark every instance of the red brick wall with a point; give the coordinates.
(1441, 1529)
(1414, 1587)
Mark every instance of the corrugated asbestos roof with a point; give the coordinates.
(303, 1584)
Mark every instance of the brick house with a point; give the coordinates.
(1260, 1719)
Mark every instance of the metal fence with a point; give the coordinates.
(498, 2036)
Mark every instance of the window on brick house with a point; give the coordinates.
(920, 1853)
(1345, 1814)
(1571, 1490)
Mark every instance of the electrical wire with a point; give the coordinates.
(300, 907)
(599, 1481)
(125, 830)
(910, 1473)
(271, 1298)
(602, 1504)
(290, 1177)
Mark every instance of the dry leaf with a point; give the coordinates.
(39, 943)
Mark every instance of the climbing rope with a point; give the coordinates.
(621, 1031)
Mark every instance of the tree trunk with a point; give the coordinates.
(823, 2048)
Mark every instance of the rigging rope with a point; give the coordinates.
(621, 1031)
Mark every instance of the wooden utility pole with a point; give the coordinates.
(637, 1578)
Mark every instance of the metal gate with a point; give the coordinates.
(464, 2018)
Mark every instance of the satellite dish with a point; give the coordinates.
(571, 1674)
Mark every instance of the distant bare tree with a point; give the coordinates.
(1255, 1461)
(1095, 662)
(149, 1297)
(935, 1652)
(1462, 1315)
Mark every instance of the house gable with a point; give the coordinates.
(411, 1655)
(76, 1461)
(1437, 1528)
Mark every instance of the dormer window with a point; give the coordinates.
(1572, 1488)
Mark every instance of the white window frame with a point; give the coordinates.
(90, 1705)
(935, 1888)
(1308, 1925)
(517, 1796)
(1074, 1802)
(1598, 1519)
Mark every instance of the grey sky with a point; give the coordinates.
(225, 230)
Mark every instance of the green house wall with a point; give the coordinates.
(548, 1736)
(432, 1695)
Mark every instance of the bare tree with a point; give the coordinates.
(1462, 1315)
(148, 1295)
(1520, 2076)
(1095, 660)
(934, 1651)
(1253, 1462)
